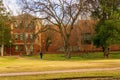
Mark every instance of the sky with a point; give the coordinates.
(12, 6)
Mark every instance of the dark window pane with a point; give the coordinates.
(21, 48)
(87, 38)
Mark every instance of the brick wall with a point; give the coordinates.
(76, 39)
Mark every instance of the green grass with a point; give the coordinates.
(99, 74)
(59, 62)
(76, 56)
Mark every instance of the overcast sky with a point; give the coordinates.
(12, 5)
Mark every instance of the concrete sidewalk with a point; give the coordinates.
(59, 71)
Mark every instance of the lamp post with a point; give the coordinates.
(10, 46)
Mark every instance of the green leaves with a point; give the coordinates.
(107, 9)
(108, 27)
(4, 25)
(107, 33)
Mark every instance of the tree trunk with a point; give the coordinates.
(27, 50)
(67, 50)
(46, 47)
(31, 49)
(68, 53)
(2, 50)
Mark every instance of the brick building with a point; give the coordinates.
(23, 42)
(80, 40)
(23, 29)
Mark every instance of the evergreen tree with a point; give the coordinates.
(108, 26)
(4, 28)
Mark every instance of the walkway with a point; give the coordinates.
(58, 71)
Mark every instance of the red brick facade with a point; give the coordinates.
(80, 40)
(22, 30)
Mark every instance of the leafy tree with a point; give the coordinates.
(4, 28)
(105, 9)
(107, 33)
(108, 26)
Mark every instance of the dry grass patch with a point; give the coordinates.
(111, 75)
(20, 64)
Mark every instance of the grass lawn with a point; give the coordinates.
(58, 62)
(113, 75)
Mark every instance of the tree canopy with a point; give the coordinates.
(4, 27)
(107, 33)
(108, 26)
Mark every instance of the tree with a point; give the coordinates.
(30, 27)
(107, 34)
(107, 13)
(105, 9)
(62, 13)
(49, 34)
(4, 27)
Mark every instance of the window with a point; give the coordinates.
(16, 48)
(21, 48)
(31, 48)
(16, 36)
(85, 24)
(26, 24)
(21, 24)
(31, 26)
(87, 38)
(21, 36)
(16, 25)
(26, 36)
(31, 36)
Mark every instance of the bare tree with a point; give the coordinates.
(62, 13)
(49, 37)
(29, 24)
